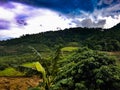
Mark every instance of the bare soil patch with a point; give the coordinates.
(19, 83)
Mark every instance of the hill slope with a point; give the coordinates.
(107, 40)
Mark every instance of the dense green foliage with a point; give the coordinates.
(84, 69)
(88, 70)
(98, 39)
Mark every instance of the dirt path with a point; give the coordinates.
(18, 83)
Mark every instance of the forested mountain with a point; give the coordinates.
(94, 38)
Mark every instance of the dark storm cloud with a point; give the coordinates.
(90, 24)
(3, 1)
(64, 6)
(99, 24)
(6, 4)
(77, 22)
(69, 6)
(74, 8)
(4, 24)
(86, 23)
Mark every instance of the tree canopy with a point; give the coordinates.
(88, 70)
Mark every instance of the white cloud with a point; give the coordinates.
(110, 22)
(6, 14)
(38, 20)
(109, 15)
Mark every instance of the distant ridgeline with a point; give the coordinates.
(94, 38)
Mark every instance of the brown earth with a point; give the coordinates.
(19, 83)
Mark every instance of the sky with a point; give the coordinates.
(20, 17)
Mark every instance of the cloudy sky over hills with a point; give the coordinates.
(18, 17)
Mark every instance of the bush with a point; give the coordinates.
(88, 70)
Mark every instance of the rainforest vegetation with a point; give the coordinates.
(70, 59)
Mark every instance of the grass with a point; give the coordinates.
(69, 49)
(10, 72)
(13, 72)
(31, 63)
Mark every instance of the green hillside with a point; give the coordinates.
(19, 50)
(97, 39)
(63, 57)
